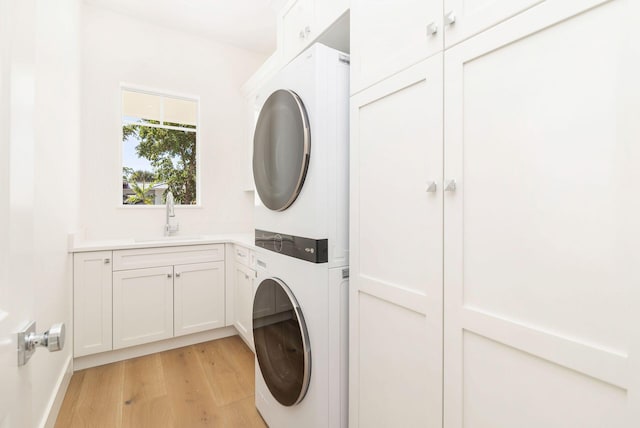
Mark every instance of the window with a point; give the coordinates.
(159, 134)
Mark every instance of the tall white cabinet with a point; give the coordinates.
(495, 220)
(397, 306)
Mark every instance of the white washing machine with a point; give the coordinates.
(301, 172)
(301, 152)
(300, 323)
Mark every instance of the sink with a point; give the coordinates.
(172, 238)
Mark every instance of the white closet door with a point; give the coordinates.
(390, 36)
(396, 246)
(542, 295)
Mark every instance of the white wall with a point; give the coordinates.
(119, 49)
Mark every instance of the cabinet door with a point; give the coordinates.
(92, 284)
(473, 16)
(295, 27)
(327, 12)
(243, 302)
(396, 243)
(390, 36)
(142, 306)
(199, 297)
(542, 231)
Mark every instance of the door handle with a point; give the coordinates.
(449, 18)
(432, 29)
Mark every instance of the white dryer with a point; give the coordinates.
(300, 331)
(301, 153)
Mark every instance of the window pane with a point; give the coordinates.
(156, 159)
(177, 111)
(140, 105)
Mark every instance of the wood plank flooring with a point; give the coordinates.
(206, 385)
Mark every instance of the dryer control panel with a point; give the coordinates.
(311, 250)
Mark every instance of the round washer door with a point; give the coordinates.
(281, 149)
(282, 342)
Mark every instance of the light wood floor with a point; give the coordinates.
(205, 385)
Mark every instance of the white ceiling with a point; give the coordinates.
(250, 24)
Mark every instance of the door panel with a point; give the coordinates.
(17, 86)
(390, 36)
(199, 297)
(396, 242)
(539, 271)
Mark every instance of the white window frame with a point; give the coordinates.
(163, 93)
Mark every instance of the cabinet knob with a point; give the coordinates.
(450, 186)
(177, 274)
(432, 29)
(169, 275)
(246, 276)
(432, 187)
(449, 18)
(301, 34)
(107, 261)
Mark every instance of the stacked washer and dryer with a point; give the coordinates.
(301, 173)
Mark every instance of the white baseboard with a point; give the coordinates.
(55, 403)
(102, 358)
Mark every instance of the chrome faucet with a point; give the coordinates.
(170, 213)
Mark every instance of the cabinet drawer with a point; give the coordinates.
(244, 256)
(166, 256)
(241, 255)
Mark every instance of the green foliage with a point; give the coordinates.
(141, 183)
(141, 195)
(172, 154)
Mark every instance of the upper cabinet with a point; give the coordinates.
(390, 36)
(327, 12)
(465, 18)
(301, 22)
(295, 25)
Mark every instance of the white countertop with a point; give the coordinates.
(245, 240)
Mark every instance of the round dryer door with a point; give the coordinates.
(281, 341)
(281, 149)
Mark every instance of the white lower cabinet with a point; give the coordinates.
(142, 306)
(244, 280)
(199, 297)
(132, 297)
(92, 285)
